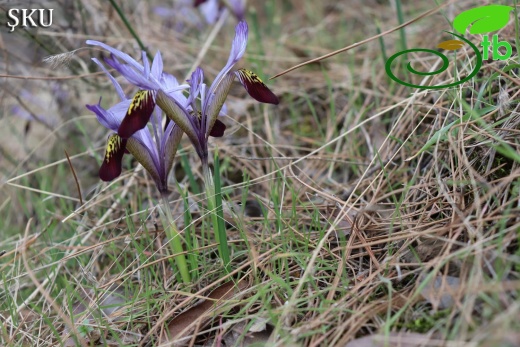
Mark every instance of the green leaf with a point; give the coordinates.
(483, 19)
(220, 216)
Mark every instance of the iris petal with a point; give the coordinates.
(255, 87)
(117, 53)
(238, 8)
(157, 66)
(238, 48)
(214, 105)
(138, 114)
(217, 130)
(173, 137)
(178, 114)
(143, 156)
(111, 118)
(111, 167)
(116, 84)
(195, 82)
(137, 78)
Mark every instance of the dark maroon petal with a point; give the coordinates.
(138, 114)
(197, 3)
(111, 167)
(218, 129)
(255, 87)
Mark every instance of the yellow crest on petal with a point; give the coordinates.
(113, 146)
(138, 114)
(251, 76)
(255, 87)
(139, 100)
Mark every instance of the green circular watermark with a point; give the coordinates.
(445, 64)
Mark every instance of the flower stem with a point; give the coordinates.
(170, 228)
(220, 231)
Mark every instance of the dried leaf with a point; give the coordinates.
(182, 326)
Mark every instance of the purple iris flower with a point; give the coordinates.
(148, 78)
(238, 8)
(153, 146)
(184, 14)
(199, 119)
(211, 9)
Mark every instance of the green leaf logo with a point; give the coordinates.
(483, 19)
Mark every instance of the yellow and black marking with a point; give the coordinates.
(256, 87)
(251, 76)
(139, 101)
(111, 166)
(113, 146)
(138, 114)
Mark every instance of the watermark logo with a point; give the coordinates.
(483, 20)
(29, 18)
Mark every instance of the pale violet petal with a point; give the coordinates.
(116, 84)
(238, 49)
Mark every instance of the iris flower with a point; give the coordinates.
(148, 78)
(155, 149)
(153, 146)
(199, 119)
(196, 115)
(186, 14)
(129, 118)
(210, 9)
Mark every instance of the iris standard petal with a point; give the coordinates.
(146, 64)
(178, 114)
(111, 167)
(136, 78)
(172, 136)
(157, 66)
(138, 114)
(238, 48)
(171, 87)
(214, 103)
(116, 84)
(195, 82)
(123, 56)
(145, 138)
(255, 87)
(238, 7)
(209, 10)
(145, 158)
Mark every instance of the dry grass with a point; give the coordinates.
(344, 219)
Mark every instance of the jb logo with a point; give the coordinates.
(482, 20)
